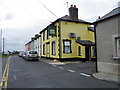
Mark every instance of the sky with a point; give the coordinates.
(22, 19)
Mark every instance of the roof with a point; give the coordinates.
(85, 42)
(91, 29)
(66, 18)
(112, 13)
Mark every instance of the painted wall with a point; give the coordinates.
(66, 28)
(105, 45)
(82, 31)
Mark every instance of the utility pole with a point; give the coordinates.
(67, 7)
(3, 44)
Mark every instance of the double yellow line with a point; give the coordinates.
(4, 81)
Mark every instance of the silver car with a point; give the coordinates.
(21, 54)
(31, 55)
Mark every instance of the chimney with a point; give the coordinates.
(36, 35)
(73, 12)
(32, 39)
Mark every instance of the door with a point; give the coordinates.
(88, 53)
(47, 50)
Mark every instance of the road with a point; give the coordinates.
(36, 74)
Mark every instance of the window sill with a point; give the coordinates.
(116, 58)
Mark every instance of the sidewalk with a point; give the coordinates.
(107, 77)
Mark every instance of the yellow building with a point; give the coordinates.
(68, 37)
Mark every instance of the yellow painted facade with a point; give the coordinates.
(63, 30)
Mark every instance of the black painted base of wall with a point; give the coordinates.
(70, 59)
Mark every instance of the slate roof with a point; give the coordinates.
(85, 42)
(91, 29)
(112, 13)
(67, 18)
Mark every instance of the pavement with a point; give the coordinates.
(100, 75)
(107, 77)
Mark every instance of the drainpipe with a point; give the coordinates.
(96, 47)
(59, 39)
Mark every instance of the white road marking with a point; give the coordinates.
(70, 70)
(54, 65)
(85, 74)
(61, 67)
(57, 63)
(15, 77)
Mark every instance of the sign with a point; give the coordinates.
(52, 31)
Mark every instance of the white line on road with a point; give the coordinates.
(61, 67)
(70, 70)
(54, 65)
(85, 74)
(15, 77)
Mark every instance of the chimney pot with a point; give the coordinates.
(71, 5)
(74, 6)
(98, 17)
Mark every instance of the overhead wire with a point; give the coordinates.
(48, 9)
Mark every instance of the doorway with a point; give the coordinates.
(88, 53)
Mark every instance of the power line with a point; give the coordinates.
(48, 9)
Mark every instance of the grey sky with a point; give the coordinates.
(22, 19)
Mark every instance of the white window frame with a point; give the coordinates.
(116, 46)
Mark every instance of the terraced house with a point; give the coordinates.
(68, 37)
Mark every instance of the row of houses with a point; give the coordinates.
(69, 37)
(66, 38)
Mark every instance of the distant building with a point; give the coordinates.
(34, 44)
(108, 42)
(68, 38)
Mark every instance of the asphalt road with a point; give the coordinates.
(36, 74)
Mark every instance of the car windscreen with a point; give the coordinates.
(33, 52)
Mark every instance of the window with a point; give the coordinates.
(117, 40)
(116, 46)
(93, 51)
(43, 35)
(44, 49)
(53, 48)
(47, 34)
(67, 46)
(79, 51)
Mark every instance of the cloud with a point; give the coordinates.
(9, 16)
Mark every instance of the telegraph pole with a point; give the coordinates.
(3, 44)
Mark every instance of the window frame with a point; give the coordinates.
(67, 46)
(79, 51)
(116, 46)
(53, 48)
(44, 36)
(43, 49)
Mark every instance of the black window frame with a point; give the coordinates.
(66, 46)
(44, 36)
(43, 49)
(53, 44)
(79, 51)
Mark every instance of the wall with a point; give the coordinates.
(104, 32)
(82, 31)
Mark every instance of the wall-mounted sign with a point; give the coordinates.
(52, 30)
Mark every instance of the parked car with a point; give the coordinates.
(21, 54)
(31, 55)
